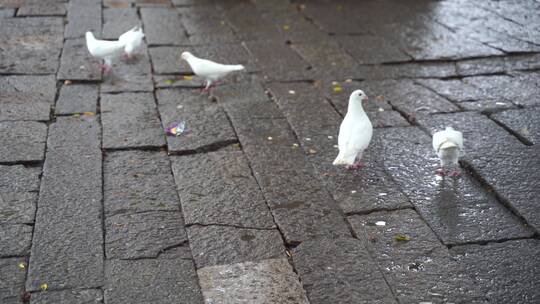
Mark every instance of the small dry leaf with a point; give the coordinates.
(237, 145)
(89, 113)
(188, 77)
(286, 27)
(67, 82)
(44, 287)
(401, 238)
(380, 97)
(270, 138)
(311, 151)
(288, 253)
(337, 89)
(169, 81)
(21, 265)
(76, 115)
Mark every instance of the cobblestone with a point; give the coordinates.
(77, 98)
(18, 194)
(26, 97)
(26, 141)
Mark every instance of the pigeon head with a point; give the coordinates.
(359, 95)
(186, 55)
(89, 35)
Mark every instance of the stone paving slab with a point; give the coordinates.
(30, 45)
(18, 194)
(7, 12)
(291, 24)
(86, 296)
(131, 76)
(458, 210)
(218, 188)
(143, 235)
(167, 60)
(267, 281)
(221, 245)
(171, 278)
(130, 120)
(26, 97)
(524, 122)
(26, 141)
(137, 182)
(77, 63)
(156, 33)
(372, 49)
(340, 271)
(67, 247)
(207, 125)
(83, 16)
(15, 240)
(11, 280)
(77, 98)
(246, 22)
(42, 8)
(495, 266)
(117, 21)
(418, 270)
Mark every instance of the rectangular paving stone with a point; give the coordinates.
(137, 182)
(206, 124)
(171, 278)
(437, 69)
(26, 97)
(293, 26)
(42, 8)
(77, 98)
(336, 18)
(42, 38)
(340, 270)
(77, 63)
(521, 89)
(370, 49)
(218, 188)
(247, 24)
(301, 207)
(328, 59)
(22, 141)
(524, 122)
(418, 270)
(222, 245)
(83, 16)
(199, 20)
(67, 246)
(505, 272)
(143, 235)
(130, 120)
(156, 33)
(11, 280)
(133, 76)
(7, 12)
(15, 239)
(267, 281)
(117, 21)
(279, 62)
(167, 60)
(85, 296)
(18, 194)
(459, 210)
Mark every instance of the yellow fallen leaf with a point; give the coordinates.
(311, 151)
(44, 287)
(339, 7)
(188, 77)
(286, 27)
(76, 115)
(89, 113)
(337, 89)
(401, 238)
(380, 97)
(21, 265)
(169, 81)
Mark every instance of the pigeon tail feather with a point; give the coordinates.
(447, 145)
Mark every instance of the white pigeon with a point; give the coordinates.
(133, 40)
(104, 49)
(354, 133)
(209, 70)
(448, 144)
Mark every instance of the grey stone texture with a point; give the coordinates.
(130, 120)
(26, 97)
(267, 281)
(418, 270)
(77, 98)
(43, 8)
(19, 188)
(85, 296)
(218, 188)
(77, 63)
(83, 16)
(156, 34)
(117, 21)
(525, 123)
(138, 182)
(11, 280)
(15, 239)
(221, 245)
(340, 270)
(506, 272)
(171, 278)
(26, 141)
(67, 246)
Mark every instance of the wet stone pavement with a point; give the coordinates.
(98, 205)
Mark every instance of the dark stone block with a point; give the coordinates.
(77, 98)
(156, 33)
(15, 239)
(525, 122)
(18, 194)
(26, 97)
(85, 296)
(22, 141)
(83, 16)
(77, 63)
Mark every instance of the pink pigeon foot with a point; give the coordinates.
(455, 173)
(441, 172)
(355, 166)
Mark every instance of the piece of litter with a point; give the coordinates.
(176, 128)
(76, 115)
(295, 145)
(21, 265)
(380, 223)
(335, 146)
(353, 191)
(308, 139)
(67, 82)
(270, 138)
(401, 238)
(383, 194)
(179, 106)
(330, 136)
(311, 151)
(500, 103)
(348, 80)
(89, 113)
(188, 77)
(335, 83)
(288, 253)
(381, 110)
(292, 92)
(337, 89)
(44, 287)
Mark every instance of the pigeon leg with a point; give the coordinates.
(442, 171)
(357, 165)
(207, 87)
(455, 173)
